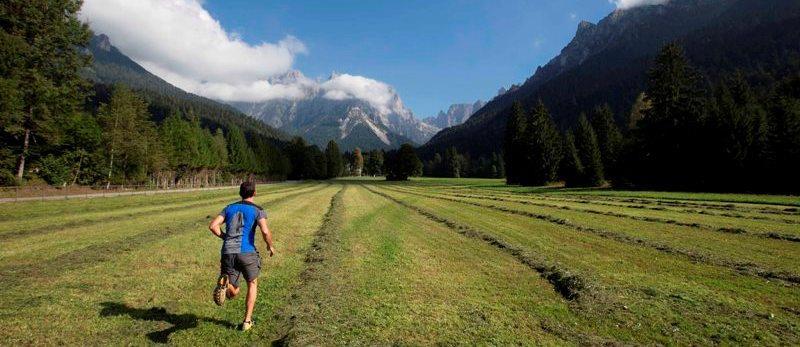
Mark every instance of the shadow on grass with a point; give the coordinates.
(159, 314)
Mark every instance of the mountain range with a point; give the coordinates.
(607, 62)
(110, 67)
(321, 115)
(456, 114)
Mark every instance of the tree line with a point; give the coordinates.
(451, 163)
(59, 128)
(682, 133)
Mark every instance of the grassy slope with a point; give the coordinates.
(652, 295)
(431, 261)
(393, 276)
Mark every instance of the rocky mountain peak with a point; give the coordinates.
(456, 114)
(103, 42)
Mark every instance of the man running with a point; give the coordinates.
(239, 255)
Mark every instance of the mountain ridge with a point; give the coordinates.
(607, 62)
(322, 115)
(110, 66)
(456, 114)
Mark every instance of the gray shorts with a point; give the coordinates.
(238, 264)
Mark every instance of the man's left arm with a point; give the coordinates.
(266, 234)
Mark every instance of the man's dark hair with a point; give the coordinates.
(247, 190)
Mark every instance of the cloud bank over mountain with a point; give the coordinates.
(179, 41)
(626, 4)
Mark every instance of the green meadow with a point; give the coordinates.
(431, 261)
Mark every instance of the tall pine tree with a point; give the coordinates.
(609, 138)
(589, 153)
(542, 148)
(671, 127)
(571, 167)
(514, 148)
(40, 50)
(333, 158)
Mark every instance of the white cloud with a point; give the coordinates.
(378, 94)
(179, 41)
(626, 4)
(573, 16)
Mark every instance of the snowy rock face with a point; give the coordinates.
(353, 110)
(456, 114)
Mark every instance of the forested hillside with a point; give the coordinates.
(77, 111)
(607, 63)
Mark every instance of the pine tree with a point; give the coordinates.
(609, 138)
(671, 127)
(241, 156)
(784, 136)
(514, 147)
(737, 135)
(220, 148)
(571, 167)
(128, 134)
(452, 163)
(41, 58)
(589, 153)
(182, 146)
(402, 163)
(333, 159)
(543, 145)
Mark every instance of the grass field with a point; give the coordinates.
(432, 261)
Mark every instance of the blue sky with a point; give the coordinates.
(434, 53)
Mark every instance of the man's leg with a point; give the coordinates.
(232, 291)
(252, 291)
(250, 266)
(228, 281)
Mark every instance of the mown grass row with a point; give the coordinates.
(570, 285)
(667, 298)
(153, 287)
(49, 243)
(745, 206)
(769, 252)
(36, 214)
(316, 253)
(394, 276)
(105, 250)
(26, 227)
(734, 199)
(748, 268)
(594, 200)
(646, 218)
(40, 210)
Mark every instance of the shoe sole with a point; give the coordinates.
(221, 290)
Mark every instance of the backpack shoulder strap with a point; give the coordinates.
(251, 204)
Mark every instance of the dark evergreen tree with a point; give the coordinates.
(333, 158)
(736, 145)
(402, 163)
(542, 148)
(515, 145)
(571, 167)
(784, 137)
(452, 163)
(671, 126)
(41, 55)
(609, 138)
(589, 153)
(241, 156)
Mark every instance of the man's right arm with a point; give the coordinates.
(215, 224)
